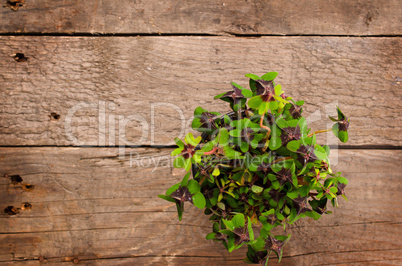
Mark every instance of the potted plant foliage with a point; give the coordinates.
(256, 168)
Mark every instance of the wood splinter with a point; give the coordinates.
(27, 187)
(26, 206)
(11, 210)
(15, 4)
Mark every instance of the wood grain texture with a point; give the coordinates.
(371, 17)
(143, 90)
(92, 205)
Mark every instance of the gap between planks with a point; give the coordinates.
(224, 34)
(336, 147)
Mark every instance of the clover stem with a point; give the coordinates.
(319, 131)
(214, 212)
(313, 197)
(238, 114)
(202, 180)
(247, 113)
(211, 151)
(225, 165)
(282, 159)
(263, 126)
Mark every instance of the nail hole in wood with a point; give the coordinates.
(41, 259)
(54, 116)
(368, 19)
(26, 206)
(11, 210)
(76, 261)
(19, 57)
(15, 4)
(27, 187)
(16, 179)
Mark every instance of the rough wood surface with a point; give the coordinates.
(331, 17)
(91, 205)
(98, 206)
(111, 91)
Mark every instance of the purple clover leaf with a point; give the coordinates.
(319, 206)
(204, 121)
(187, 152)
(340, 128)
(300, 204)
(284, 175)
(237, 97)
(276, 244)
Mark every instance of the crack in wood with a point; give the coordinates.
(91, 213)
(67, 230)
(349, 224)
(189, 34)
(63, 259)
(336, 147)
(361, 261)
(100, 258)
(94, 229)
(339, 252)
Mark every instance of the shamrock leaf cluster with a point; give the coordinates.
(256, 168)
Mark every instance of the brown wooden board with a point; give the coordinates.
(108, 91)
(91, 205)
(331, 17)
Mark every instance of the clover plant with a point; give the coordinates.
(256, 168)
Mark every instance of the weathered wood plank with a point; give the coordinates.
(384, 258)
(214, 17)
(126, 90)
(91, 204)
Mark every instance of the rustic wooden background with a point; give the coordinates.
(81, 79)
